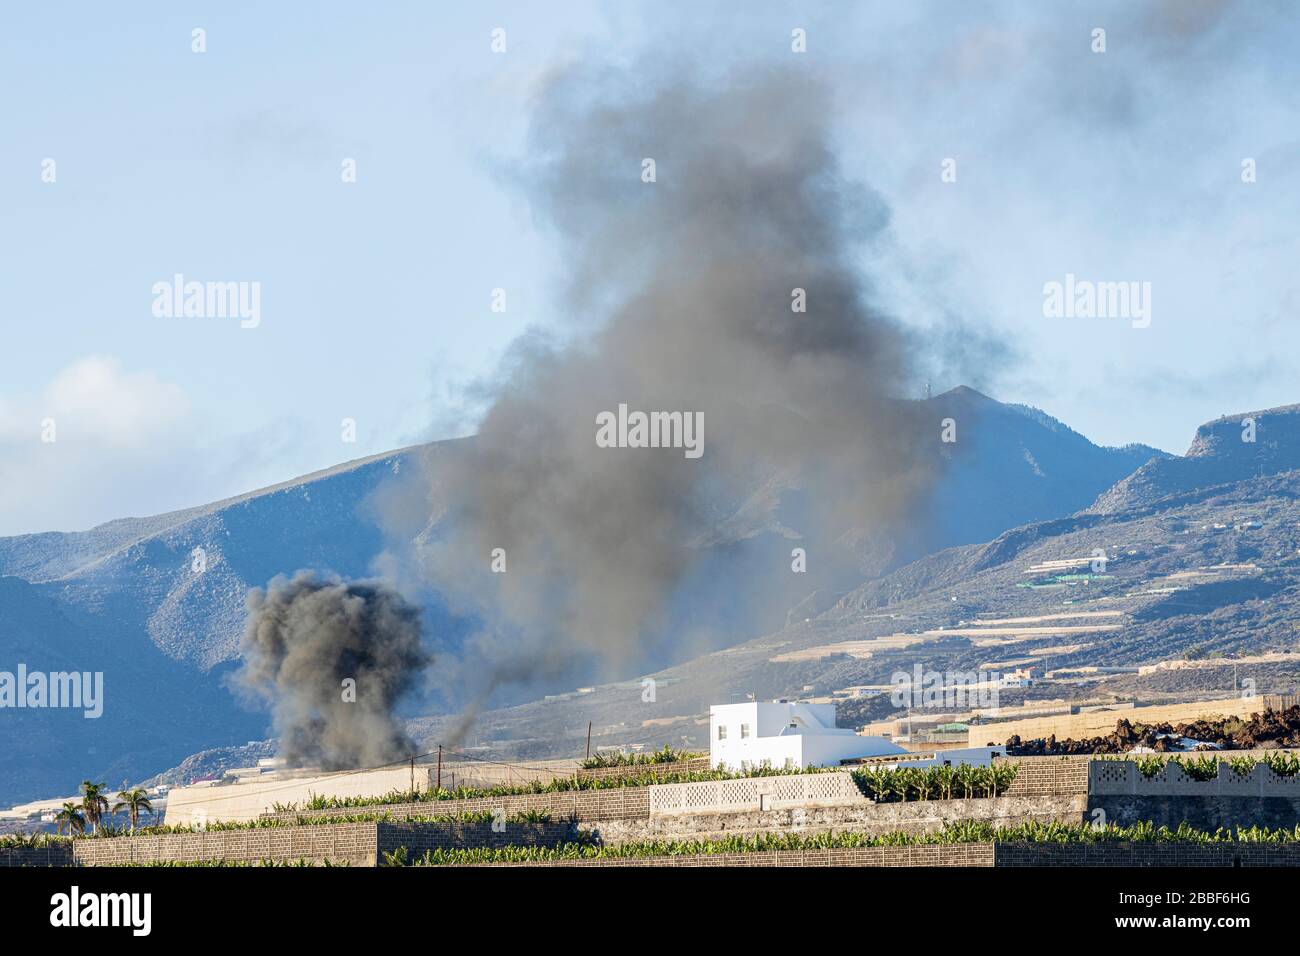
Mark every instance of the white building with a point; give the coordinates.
(1020, 677)
(785, 735)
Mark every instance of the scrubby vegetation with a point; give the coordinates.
(38, 841)
(965, 832)
(1206, 766)
(263, 823)
(620, 759)
(560, 785)
(895, 784)
(884, 784)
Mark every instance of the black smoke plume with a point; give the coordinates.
(681, 297)
(305, 639)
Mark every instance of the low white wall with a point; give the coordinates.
(756, 793)
(237, 802)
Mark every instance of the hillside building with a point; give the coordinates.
(786, 735)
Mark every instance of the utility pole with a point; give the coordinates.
(412, 776)
(439, 766)
(588, 740)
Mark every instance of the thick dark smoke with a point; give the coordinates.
(305, 638)
(680, 299)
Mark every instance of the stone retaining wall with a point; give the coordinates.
(864, 817)
(1202, 812)
(1045, 789)
(57, 853)
(1147, 854)
(364, 844)
(963, 854)
(357, 844)
(983, 855)
(353, 843)
(421, 837)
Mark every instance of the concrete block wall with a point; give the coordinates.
(985, 855)
(358, 844)
(353, 843)
(965, 854)
(1209, 812)
(52, 854)
(421, 837)
(1045, 776)
(342, 843)
(865, 817)
(1147, 854)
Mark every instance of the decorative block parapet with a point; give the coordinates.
(756, 793)
(1123, 778)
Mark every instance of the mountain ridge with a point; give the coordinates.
(128, 585)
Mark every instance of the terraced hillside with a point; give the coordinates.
(1204, 577)
(125, 597)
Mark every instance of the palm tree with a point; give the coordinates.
(133, 801)
(93, 803)
(70, 817)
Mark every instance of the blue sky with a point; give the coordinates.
(225, 165)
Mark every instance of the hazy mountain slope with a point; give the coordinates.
(164, 635)
(1009, 465)
(1012, 464)
(155, 710)
(55, 554)
(1189, 574)
(1218, 454)
(130, 586)
(1181, 587)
